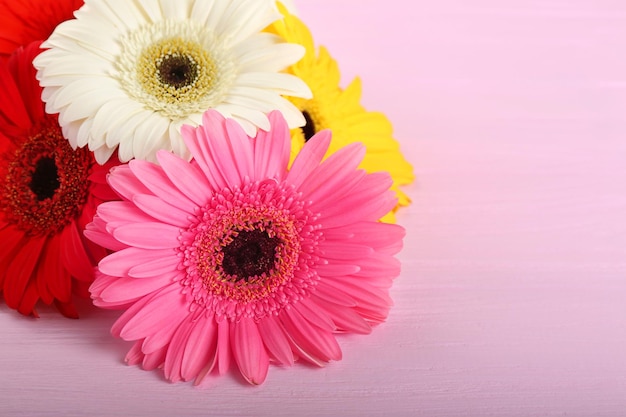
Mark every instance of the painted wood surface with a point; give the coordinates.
(512, 299)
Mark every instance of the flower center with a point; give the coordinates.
(308, 130)
(45, 179)
(249, 251)
(44, 183)
(177, 71)
(250, 254)
(174, 68)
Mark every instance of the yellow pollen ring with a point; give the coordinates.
(199, 72)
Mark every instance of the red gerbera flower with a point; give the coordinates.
(26, 21)
(48, 193)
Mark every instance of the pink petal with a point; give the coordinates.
(314, 315)
(96, 232)
(361, 292)
(188, 178)
(335, 188)
(150, 235)
(379, 266)
(124, 290)
(208, 136)
(272, 149)
(134, 355)
(345, 318)
(328, 293)
(241, 150)
(220, 148)
(165, 265)
(300, 353)
(166, 308)
(197, 142)
(154, 360)
(201, 348)
(125, 183)
(153, 177)
(161, 210)
(248, 351)
(383, 237)
(275, 340)
(160, 339)
(101, 282)
(223, 347)
(367, 201)
(132, 310)
(341, 164)
(120, 263)
(318, 343)
(121, 212)
(309, 158)
(344, 251)
(174, 357)
(373, 316)
(336, 269)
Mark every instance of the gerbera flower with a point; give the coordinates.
(340, 110)
(234, 256)
(48, 193)
(131, 73)
(26, 21)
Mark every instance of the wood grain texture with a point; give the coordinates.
(512, 296)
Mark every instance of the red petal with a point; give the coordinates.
(67, 309)
(75, 258)
(30, 298)
(12, 239)
(21, 269)
(51, 272)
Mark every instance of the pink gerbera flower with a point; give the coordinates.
(232, 255)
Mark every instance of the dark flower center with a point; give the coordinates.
(178, 71)
(250, 254)
(44, 183)
(45, 179)
(308, 130)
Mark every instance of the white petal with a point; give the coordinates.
(263, 53)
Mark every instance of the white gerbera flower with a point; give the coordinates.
(130, 73)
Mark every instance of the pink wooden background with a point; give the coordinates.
(512, 301)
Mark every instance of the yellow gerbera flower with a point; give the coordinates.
(340, 110)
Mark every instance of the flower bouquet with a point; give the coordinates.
(196, 165)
